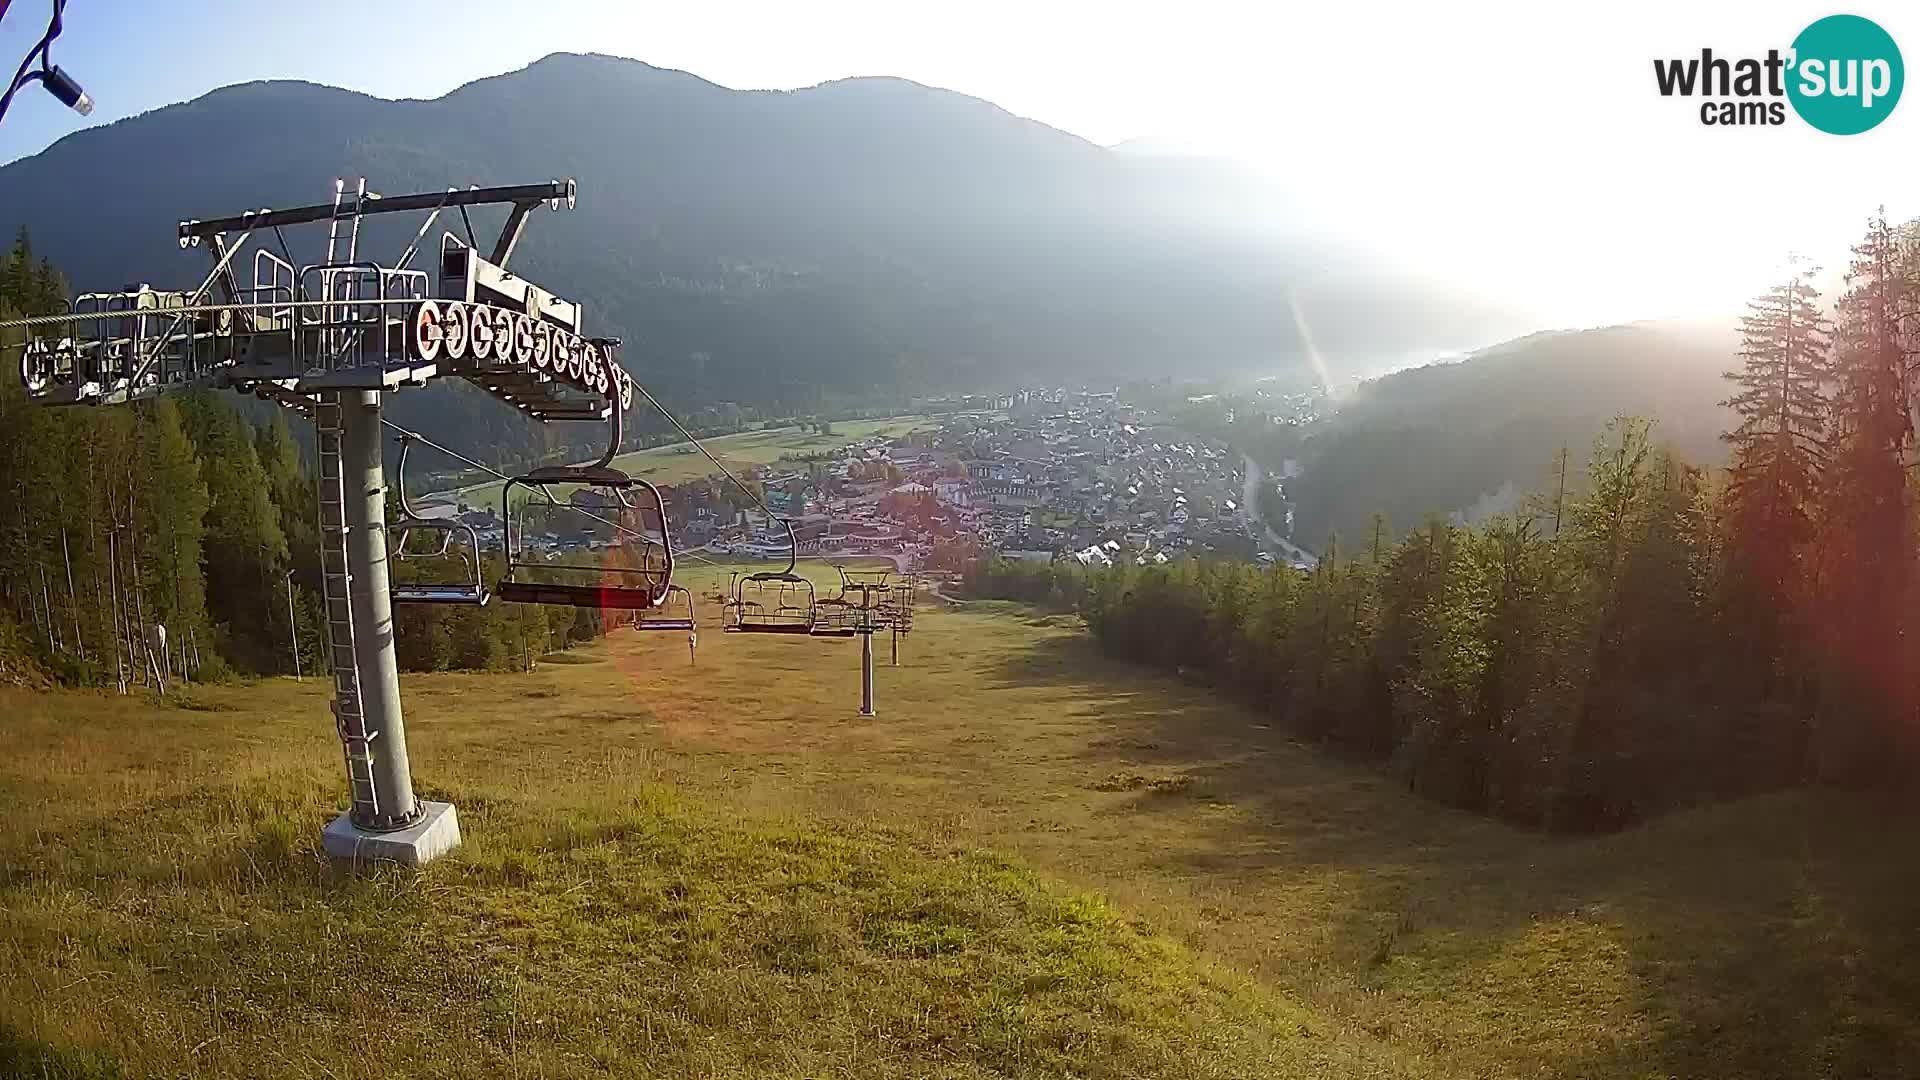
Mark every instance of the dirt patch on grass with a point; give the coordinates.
(1176, 784)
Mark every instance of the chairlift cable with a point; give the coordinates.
(700, 446)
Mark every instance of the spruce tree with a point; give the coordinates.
(174, 524)
(1779, 450)
(1867, 695)
(246, 551)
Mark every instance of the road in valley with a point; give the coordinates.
(1250, 506)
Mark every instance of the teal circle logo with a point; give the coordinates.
(1846, 74)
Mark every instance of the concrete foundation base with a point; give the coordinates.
(437, 833)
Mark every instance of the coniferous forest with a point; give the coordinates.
(1659, 635)
(182, 512)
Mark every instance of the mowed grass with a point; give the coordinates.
(680, 462)
(1032, 862)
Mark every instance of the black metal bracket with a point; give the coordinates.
(524, 196)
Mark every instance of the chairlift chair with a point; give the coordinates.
(406, 550)
(670, 622)
(897, 607)
(772, 601)
(689, 624)
(876, 577)
(835, 617)
(865, 594)
(530, 578)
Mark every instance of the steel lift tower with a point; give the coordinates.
(870, 601)
(330, 340)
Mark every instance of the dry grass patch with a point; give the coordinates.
(1033, 862)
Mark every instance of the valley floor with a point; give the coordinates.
(1032, 862)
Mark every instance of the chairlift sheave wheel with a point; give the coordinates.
(579, 359)
(479, 334)
(36, 366)
(523, 337)
(505, 348)
(426, 331)
(453, 330)
(598, 377)
(543, 342)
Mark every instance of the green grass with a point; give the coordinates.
(1033, 862)
(675, 465)
(678, 463)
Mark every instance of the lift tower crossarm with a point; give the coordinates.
(522, 195)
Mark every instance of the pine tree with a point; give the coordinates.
(293, 495)
(1779, 451)
(246, 550)
(1780, 443)
(1868, 701)
(16, 274)
(175, 524)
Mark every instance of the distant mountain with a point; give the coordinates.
(780, 249)
(1469, 436)
(1158, 146)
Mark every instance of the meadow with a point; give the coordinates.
(678, 463)
(1033, 862)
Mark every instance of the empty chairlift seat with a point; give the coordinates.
(662, 619)
(771, 603)
(579, 537)
(434, 561)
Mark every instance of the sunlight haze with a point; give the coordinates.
(1519, 149)
(888, 540)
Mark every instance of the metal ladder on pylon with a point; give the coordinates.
(336, 587)
(339, 287)
(333, 222)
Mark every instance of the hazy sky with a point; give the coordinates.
(1518, 147)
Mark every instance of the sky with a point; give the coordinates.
(1518, 148)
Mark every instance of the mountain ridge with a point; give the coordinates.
(1440, 438)
(800, 250)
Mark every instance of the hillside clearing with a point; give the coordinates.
(680, 462)
(1033, 862)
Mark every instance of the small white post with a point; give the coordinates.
(293, 628)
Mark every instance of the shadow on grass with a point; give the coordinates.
(256, 838)
(1773, 937)
(24, 1057)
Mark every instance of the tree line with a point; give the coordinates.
(181, 512)
(1662, 635)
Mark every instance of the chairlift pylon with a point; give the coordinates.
(410, 525)
(620, 587)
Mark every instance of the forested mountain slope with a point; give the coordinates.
(1438, 439)
(786, 250)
